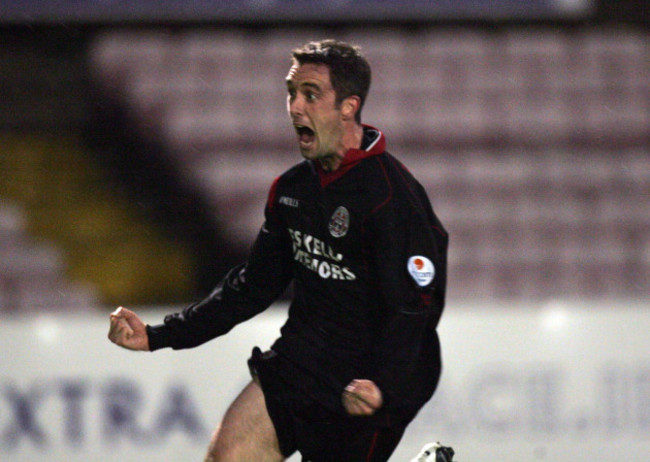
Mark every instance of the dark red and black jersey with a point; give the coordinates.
(368, 260)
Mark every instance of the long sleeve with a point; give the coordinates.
(410, 248)
(247, 290)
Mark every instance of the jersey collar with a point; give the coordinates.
(374, 143)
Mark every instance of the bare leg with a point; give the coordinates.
(246, 432)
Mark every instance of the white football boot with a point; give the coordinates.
(434, 452)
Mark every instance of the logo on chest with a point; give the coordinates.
(289, 201)
(340, 222)
(319, 257)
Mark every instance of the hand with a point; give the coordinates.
(127, 330)
(362, 397)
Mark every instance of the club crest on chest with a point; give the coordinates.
(340, 222)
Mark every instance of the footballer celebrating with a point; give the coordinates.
(354, 232)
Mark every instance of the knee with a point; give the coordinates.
(222, 449)
(221, 454)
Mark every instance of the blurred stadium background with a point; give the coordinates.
(138, 140)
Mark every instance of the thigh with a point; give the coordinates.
(246, 431)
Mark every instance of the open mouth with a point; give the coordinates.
(306, 135)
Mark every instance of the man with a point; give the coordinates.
(354, 232)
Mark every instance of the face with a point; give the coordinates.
(311, 103)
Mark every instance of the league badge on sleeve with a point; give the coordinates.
(421, 270)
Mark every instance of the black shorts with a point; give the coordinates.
(320, 435)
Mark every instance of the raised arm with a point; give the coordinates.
(245, 291)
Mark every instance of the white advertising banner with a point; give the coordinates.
(558, 382)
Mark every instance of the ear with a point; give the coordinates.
(349, 107)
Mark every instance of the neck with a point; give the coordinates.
(351, 139)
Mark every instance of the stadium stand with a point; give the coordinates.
(76, 230)
(81, 228)
(533, 143)
(32, 273)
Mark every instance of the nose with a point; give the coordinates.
(294, 106)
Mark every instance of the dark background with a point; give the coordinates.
(98, 206)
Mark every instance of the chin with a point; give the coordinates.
(309, 154)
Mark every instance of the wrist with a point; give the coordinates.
(157, 337)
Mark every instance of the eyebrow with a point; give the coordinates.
(315, 86)
(310, 85)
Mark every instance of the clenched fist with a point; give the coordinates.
(127, 330)
(362, 397)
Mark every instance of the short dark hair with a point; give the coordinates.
(349, 69)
